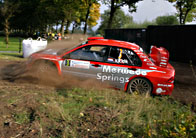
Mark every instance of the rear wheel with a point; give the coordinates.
(140, 85)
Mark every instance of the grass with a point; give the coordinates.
(51, 112)
(12, 56)
(13, 47)
(81, 112)
(13, 44)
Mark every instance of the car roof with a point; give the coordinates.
(111, 42)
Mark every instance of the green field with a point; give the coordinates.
(13, 44)
(12, 56)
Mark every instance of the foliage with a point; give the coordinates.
(144, 24)
(120, 20)
(183, 126)
(28, 16)
(41, 15)
(79, 112)
(94, 14)
(90, 13)
(167, 20)
(7, 9)
(116, 4)
(186, 10)
(21, 118)
(68, 11)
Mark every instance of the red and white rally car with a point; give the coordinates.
(122, 64)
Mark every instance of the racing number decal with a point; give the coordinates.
(120, 55)
(67, 62)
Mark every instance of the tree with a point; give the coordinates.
(116, 4)
(186, 9)
(66, 11)
(1, 25)
(167, 20)
(7, 8)
(33, 16)
(40, 15)
(90, 13)
(144, 24)
(120, 20)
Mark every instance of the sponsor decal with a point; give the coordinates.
(142, 56)
(160, 90)
(150, 64)
(163, 60)
(163, 63)
(139, 53)
(78, 64)
(114, 74)
(145, 60)
(164, 85)
(109, 69)
(112, 77)
(152, 68)
(124, 61)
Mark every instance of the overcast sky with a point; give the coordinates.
(150, 9)
(147, 10)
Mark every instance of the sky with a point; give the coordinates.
(150, 9)
(147, 10)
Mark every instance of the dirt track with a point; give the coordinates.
(184, 91)
(185, 84)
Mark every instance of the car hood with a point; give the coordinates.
(49, 51)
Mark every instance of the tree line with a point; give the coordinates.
(186, 12)
(29, 16)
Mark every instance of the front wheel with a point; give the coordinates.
(44, 70)
(140, 85)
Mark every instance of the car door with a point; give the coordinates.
(85, 62)
(121, 64)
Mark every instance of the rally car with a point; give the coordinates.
(122, 64)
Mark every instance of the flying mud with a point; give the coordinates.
(17, 71)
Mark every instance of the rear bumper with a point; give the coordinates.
(163, 88)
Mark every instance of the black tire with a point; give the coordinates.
(140, 85)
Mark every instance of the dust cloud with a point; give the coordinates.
(17, 72)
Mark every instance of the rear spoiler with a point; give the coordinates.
(160, 56)
(95, 38)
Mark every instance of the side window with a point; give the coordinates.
(123, 56)
(93, 53)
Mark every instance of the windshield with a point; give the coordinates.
(64, 50)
